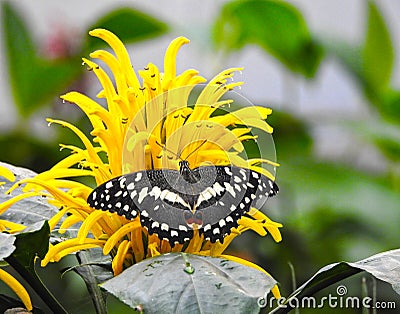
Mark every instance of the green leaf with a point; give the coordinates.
(377, 52)
(33, 79)
(94, 269)
(384, 266)
(276, 26)
(34, 241)
(6, 245)
(129, 25)
(187, 283)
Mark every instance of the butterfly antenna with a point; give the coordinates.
(196, 149)
(166, 149)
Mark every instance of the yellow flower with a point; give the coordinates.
(147, 125)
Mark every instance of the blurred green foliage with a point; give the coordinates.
(330, 210)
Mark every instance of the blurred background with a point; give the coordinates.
(329, 69)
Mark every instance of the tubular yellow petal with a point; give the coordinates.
(244, 262)
(58, 194)
(62, 173)
(120, 234)
(88, 224)
(92, 153)
(170, 61)
(153, 249)
(275, 291)
(115, 68)
(7, 204)
(189, 77)
(118, 260)
(246, 223)
(15, 286)
(218, 248)
(96, 113)
(195, 243)
(271, 226)
(121, 53)
(69, 246)
(53, 221)
(10, 227)
(7, 173)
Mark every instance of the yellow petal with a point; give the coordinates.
(7, 173)
(120, 234)
(121, 53)
(19, 289)
(118, 260)
(170, 61)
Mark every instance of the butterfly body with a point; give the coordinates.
(173, 203)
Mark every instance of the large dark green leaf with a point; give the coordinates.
(184, 283)
(276, 26)
(377, 53)
(384, 266)
(94, 269)
(34, 241)
(129, 25)
(33, 79)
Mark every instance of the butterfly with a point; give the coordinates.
(172, 203)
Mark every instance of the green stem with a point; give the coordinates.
(299, 294)
(98, 297)
(37, 285)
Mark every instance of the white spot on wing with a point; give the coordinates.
(138, 176)
(228, 171)
(164, 226)
(142, 194)
(229, 219)
(174, 233)
(109, 185)
(237, 179)
(218, 188)
(156, 191)
(207, 227)
(222, 223)
(183, 228)
(230, 189)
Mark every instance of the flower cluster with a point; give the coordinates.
(138, 125)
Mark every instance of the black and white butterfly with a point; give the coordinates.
(173, 203)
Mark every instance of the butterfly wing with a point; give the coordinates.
(170, 207)
(113, 196)
(233, 193)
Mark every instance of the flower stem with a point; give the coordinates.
(37, 285)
